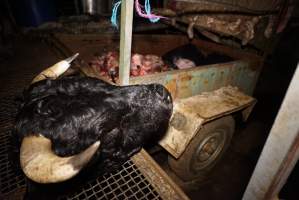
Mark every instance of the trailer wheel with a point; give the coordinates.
(205, 150)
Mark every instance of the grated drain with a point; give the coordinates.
(11, 177)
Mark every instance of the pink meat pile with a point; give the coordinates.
(107, 64)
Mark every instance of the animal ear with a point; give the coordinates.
(132, 142)
(132, 129)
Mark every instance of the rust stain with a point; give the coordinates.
(184, 89)
(227, 6)
(185, 77)
(229, 102)
(240, 26)
(172, 88)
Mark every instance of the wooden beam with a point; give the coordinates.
(125, 41)
(281, 150)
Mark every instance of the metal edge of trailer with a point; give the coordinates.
(242, 72)
(190, 114)
(164, 185)
(189, 82)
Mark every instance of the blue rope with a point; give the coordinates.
(148, 12)
(114, 14)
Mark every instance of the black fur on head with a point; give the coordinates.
(75, 112)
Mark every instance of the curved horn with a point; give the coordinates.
(56, 70)
(37, 159)
(41, 165)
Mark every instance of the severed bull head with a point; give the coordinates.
(69, 116)
(38, 161)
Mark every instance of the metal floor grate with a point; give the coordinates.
(10, 177)
(127, 183)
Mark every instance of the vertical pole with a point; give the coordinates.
(125, 41)
(281, 150)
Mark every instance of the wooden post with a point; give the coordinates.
(125, 41)
(281, 150)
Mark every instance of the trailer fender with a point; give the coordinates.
(191, 113)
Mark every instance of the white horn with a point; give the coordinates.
(56, 70)
(41, 165)
(38, 161)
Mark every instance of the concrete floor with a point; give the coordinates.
(27, 57)
(230, 177)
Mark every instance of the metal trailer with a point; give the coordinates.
(205, 97)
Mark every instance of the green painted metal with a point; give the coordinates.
(243, 72)
(190, 82)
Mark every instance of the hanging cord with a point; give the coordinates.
(114, 13)
(147, 14)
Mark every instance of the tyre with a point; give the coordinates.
(204, 150)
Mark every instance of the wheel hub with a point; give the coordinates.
(208, 150)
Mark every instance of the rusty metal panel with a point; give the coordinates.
(190, 113)
(239, 26)
(182, 128)
(225, 5)
(247, 111)
(243, 72)
(190, 82)
(252, 22)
